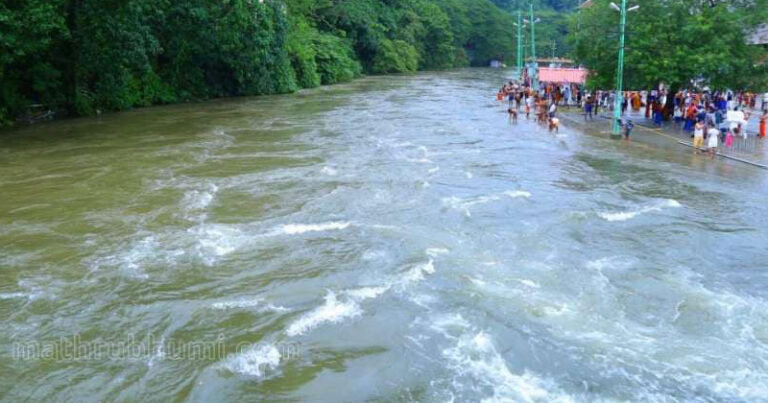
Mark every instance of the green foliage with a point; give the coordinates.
(552, 31)
(30, 33)
(675, 42)
(302, 53)
(83, 56)
(335, 59)
(395, 57)
(481, 30)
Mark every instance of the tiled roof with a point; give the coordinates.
(759, 36)
(562, 75)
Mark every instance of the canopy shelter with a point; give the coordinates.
(562, 75)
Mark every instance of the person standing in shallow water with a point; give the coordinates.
(628, 126)
(698, 136)
(713, 137)
(588, 108)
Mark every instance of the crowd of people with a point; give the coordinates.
(716, 118)
(543, 104)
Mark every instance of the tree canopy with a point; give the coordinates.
(677, 42)
(82, 56)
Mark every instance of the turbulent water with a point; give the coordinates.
(392, 239)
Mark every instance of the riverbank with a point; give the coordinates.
(754, 153)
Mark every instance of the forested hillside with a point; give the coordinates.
(83, 56)
(552, 31)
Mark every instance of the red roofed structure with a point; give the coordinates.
(562, 75)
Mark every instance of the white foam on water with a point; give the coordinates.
(298, 229)
(374, 255)
(424, 300)
(244, 303)
(29, 207)
(628, 215)
(529, 283)
(448, 324)
(159, 354)
(249, 304)
(332, 311)
(133, 259)
(517, 194)
(475, 360)
(217, 240)
(619, 216)
(361, 294)
(329, 171)
(420, 160)
(199, 199)
(434, 170)
(418, 272)
(464, 205)
(469, 175)
(434, 252)
(255, 361)
(478, 282)
(14, 295)
(558, 310)
(456, 204)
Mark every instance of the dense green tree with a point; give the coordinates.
(31, 31)
(675, 42)
(85, 56)
(552, 31)
(395, 57)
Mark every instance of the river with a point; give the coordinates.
(395, 238)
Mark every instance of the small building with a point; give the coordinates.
(759, 36)
(563, 75)
(496, 64)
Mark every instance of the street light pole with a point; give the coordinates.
(519, 44)
(617, 108)
(534, 66)
(554, 47)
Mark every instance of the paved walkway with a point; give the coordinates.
(753, 151)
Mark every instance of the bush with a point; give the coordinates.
(396, 57)
(335, 59)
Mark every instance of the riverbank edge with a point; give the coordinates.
(14, 125)
(571, 117)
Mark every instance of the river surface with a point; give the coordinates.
(393, 239)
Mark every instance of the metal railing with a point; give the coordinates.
(740, 145)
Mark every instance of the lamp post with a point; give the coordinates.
(617, 108)
(519, 44)
(534, 67)
(519, 25)
(554, 47)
